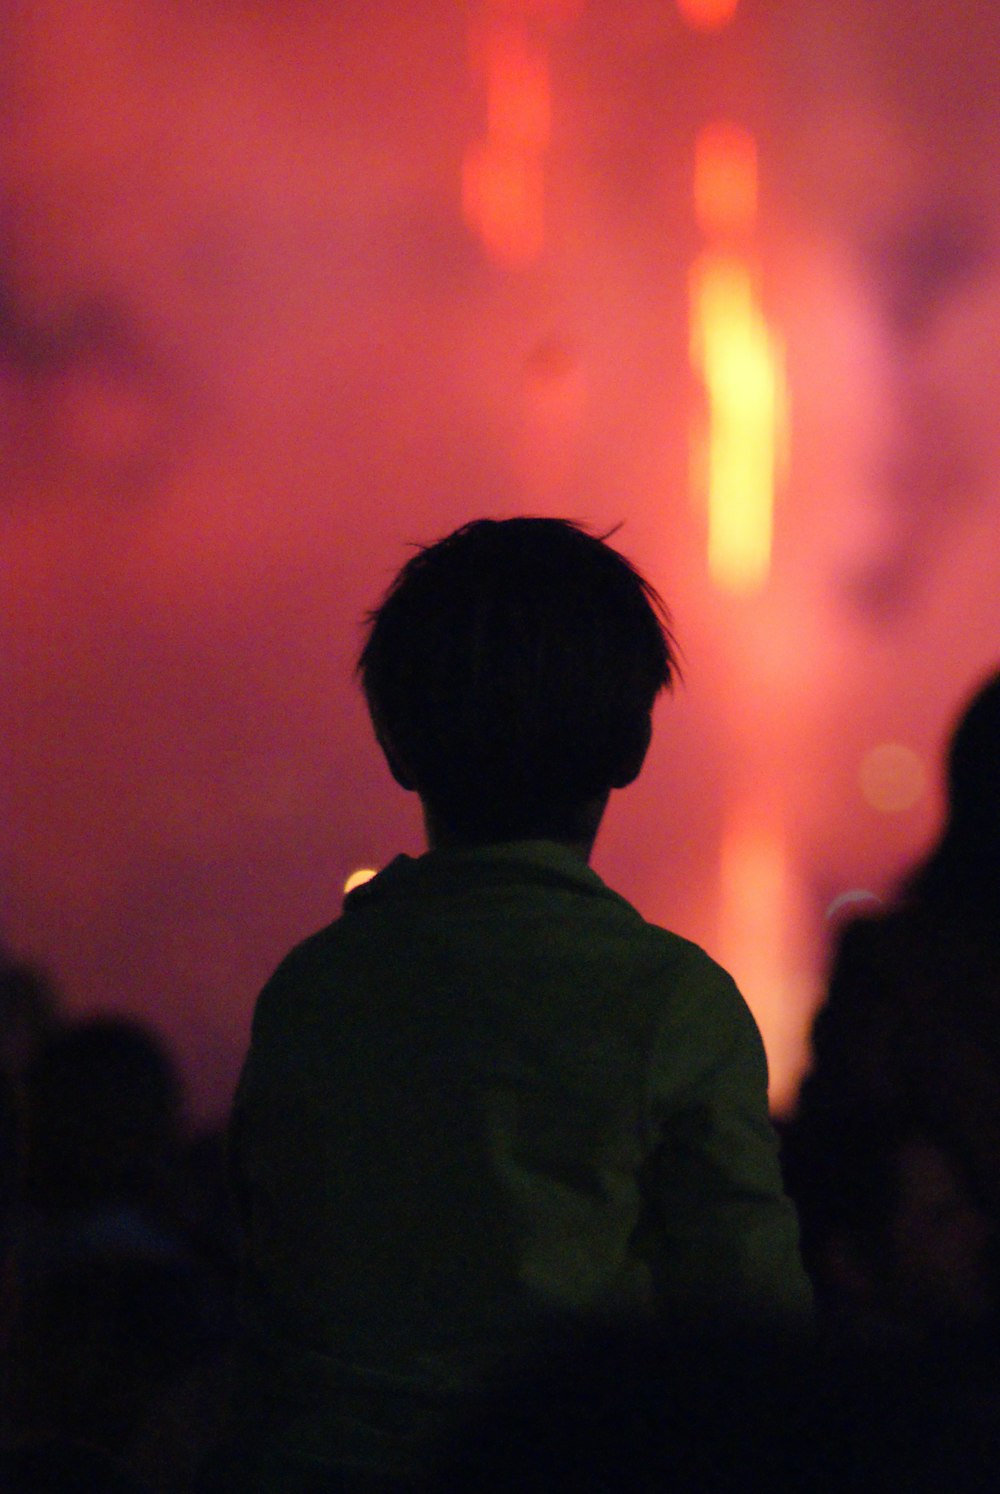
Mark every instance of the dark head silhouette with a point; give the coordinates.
(974, 759)
(964, 865)
(102, 1109)
(510, 672)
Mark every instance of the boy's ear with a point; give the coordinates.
(632, 765)
(396, 766)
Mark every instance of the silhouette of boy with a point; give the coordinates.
(490, 1101)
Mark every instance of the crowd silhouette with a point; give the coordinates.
(893, 1154)
(118, 1251)
(120, 1247)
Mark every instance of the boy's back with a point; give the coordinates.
(490, 1100)
(486, 1102)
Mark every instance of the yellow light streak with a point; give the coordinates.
(737, 358)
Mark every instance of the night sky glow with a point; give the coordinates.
(287, 288)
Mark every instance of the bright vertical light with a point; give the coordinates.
(519, 105)
(707, 15)
(725, 179)
(756, 936)
(738, 361)
(503, 199)
(763, 935)
(736, 357)
(503, 175)
(753, 877)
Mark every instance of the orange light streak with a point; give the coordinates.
(725, 179)
(519, 104)
(759, 937)
(503, 175)
(753, 876)
(503, 199)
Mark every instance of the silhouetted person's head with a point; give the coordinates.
(103, 1103)
(29, 1011)
(964, 866)
(893, 1232)
(511, 672)
(9, 1173)
(974, 761)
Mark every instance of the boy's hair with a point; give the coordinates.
(510, 672)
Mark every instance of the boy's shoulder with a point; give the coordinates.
(539, 878)
(510, 902)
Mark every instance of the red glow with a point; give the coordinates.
(707, 15)
(725, 179)
(249, 353)
(547, 12)
(518, 95)
(503, 198)
(503, 177)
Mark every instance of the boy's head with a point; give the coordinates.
(510, 672)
